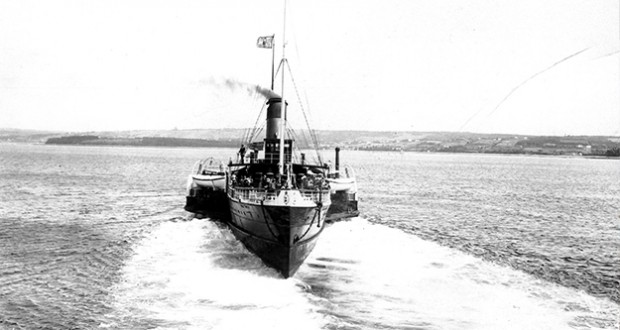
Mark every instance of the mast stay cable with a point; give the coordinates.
(315, 140)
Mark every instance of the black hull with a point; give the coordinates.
(286, 259)
(208, 202)
(281, 236)
(214, 204)
(343, 205)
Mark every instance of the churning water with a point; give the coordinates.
(97, 238)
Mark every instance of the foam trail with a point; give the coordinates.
(195, 275)
(372, 274)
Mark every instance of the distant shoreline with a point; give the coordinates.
(201, 143)
(324, 148)
(91, 140)
(437, 142)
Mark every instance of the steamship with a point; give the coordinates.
(275, 201)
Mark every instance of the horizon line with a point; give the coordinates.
(616, 135)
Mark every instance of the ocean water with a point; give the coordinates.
(96, 237)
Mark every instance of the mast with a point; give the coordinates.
(273, 58)
(283, 122)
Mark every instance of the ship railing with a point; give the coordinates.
(253, 194)
(314, 195)
(258, 194)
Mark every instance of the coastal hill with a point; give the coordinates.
(354, 140)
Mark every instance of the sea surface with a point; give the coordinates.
(97, 238)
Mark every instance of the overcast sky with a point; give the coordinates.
(531, 67)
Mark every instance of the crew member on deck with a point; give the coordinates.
(242, 153)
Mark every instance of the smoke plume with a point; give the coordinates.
(239, 86)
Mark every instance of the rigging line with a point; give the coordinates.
(293, 135)
(608, 54)
(257, 132)
(257, 98)
(297, 52)
(523, 83)
(312, 134)
(254, 128)
(307, 139)
(252, 135)
(246, 134)
(243, 138)
(304, 139)
(246, 131)
(260, 130)
(278, 70)
(306, 144)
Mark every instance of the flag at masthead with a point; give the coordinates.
(265, 42)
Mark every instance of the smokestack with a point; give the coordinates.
(337, 158)
(274, 117)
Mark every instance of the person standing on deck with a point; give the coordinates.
(242, 153)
